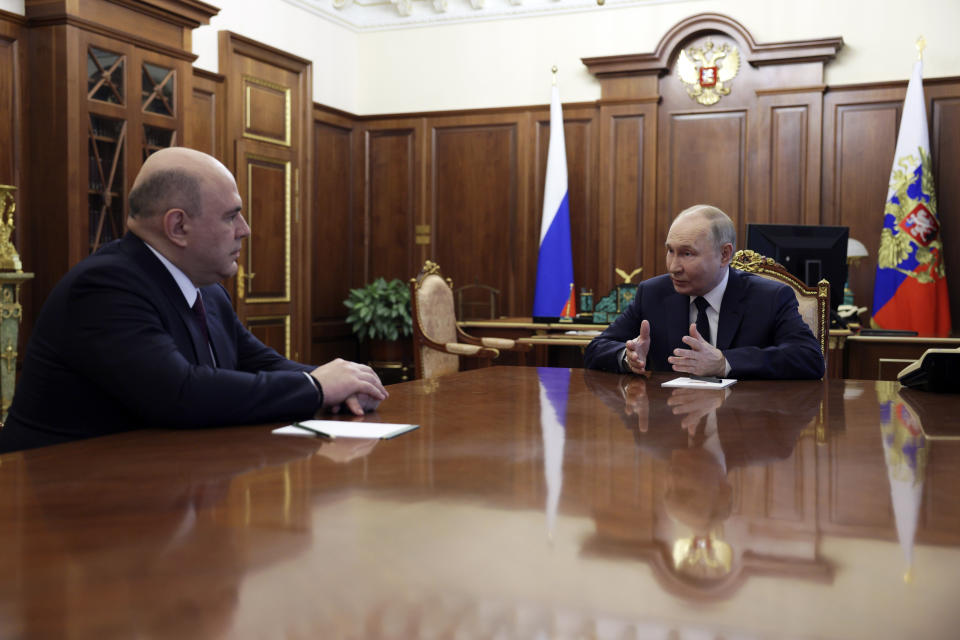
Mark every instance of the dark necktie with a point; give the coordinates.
(703, 325)
(201, 317)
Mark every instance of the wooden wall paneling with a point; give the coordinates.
(393, 174)
(859, 139)
(702, 160)
(944, 121)
(269, 112)
(12, 153)
(784, 161)
(725, 152)
(480, 207)
(626, 201)
(205, 120)
(337, 240)
(12, 47)
(53, 194)
(580, 125)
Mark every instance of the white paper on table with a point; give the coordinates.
(690, 383)
(343, 429)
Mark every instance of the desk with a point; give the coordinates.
(883, 357)
(547, 336)
(504, 515)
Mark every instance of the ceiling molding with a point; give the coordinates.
(385, 15)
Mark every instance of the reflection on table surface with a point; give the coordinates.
(530, 503)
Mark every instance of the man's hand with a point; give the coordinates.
(351, 383)
(637, 350)
(701, 359)
(692, 405)
(635, 400)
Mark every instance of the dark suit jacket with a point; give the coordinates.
(116, 348)
(760, 331)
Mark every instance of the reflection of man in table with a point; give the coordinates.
(140, 544)
(704, 318)
(755, 423)
(703, 435)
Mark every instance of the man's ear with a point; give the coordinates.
(175, 226)
(726, 253)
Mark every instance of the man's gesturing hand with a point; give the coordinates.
(638, 348)
(701, 359)
(355, 384)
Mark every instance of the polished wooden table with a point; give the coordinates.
(530, 503)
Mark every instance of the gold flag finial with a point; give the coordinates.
(553, 70)
(921, 45)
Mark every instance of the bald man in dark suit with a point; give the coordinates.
(141, 334)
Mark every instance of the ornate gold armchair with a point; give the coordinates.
(814, 303)
(438, 343)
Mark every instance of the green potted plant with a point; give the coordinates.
(380, 313)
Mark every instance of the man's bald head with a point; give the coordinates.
(172, 178)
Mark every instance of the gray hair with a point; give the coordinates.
(721, 226)
(166, 189)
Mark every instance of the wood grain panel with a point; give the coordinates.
(704, 161)
(858, 156)
(204, 122)
(266, 111)
(287, 80)
(10, 79)
(627, 193)
(945, 148)
(332, 247)
(628, 228)
(390, 203)
(273, 331)
(788, 146)
(268, 214)
(474, 190)
(579, 130)
(337, 238)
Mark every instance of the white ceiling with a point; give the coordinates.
(381, 15)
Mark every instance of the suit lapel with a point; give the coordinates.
(678, 320)
(730, 310)
(158, 274)
(215, 325)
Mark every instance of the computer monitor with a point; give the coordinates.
(809, 252)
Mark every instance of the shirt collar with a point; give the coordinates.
(189, 290)
(715, 295)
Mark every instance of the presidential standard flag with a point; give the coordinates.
(910, 290)
(554, 293)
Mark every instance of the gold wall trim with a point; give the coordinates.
(286, 328)
(247, 118)
(251, 220)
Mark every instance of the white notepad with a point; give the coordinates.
(343, 429)
(690, 383)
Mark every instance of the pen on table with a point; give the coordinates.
(316, 432)
(713, 379)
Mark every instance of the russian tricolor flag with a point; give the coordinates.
(910, 290)
(554, 292)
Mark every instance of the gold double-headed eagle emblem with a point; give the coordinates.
(707, 72)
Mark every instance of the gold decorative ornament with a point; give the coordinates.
(703, 556)
(628, 277)
(704, 71)
(9, 258)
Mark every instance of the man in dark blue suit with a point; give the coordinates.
(704, 318)
(141, 334)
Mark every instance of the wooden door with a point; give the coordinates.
(268, 102)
